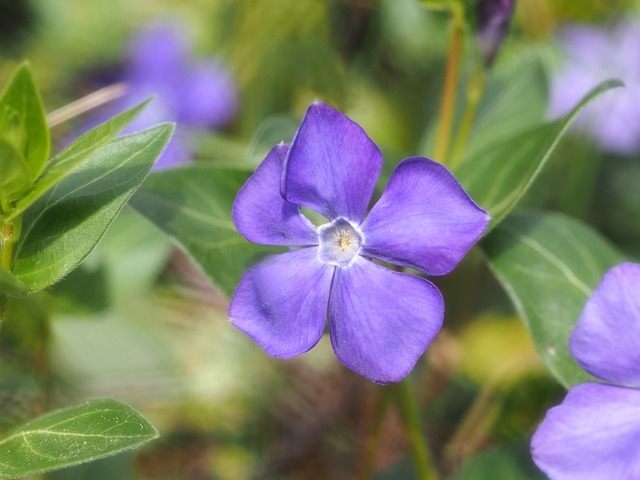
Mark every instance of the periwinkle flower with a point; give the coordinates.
(493, 23)
(594, 434)
(592, 55)
(194, 93)
(380, 320)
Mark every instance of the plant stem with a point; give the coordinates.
(448, 103)
(6, 247)
(411, 416)
(86, 103)
(474, 93)
(9, 235)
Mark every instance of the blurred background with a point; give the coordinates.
(140, 323)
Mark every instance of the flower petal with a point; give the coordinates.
(424, 219)
(593, 435)
(281, 303)
(159, 52)
(605, 340)
(208, 97)
(332, 166)
(260, 213)
(381, 321)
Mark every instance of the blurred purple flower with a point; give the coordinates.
(493, 23)
(196, 94)
(595, 433)
(593, 55)
(380, 321)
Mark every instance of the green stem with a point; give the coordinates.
(452, 71)
(9, 235)
(413, 424)
(474, 93)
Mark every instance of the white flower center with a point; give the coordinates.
(340, 242)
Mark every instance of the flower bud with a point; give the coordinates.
(492, 23)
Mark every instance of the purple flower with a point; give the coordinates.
(593, 55)
(595, 433)
(493, 23)
(380, 320)
(193, 93)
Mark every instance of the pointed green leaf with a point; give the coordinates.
(75, 154)
(15, 178)
(10, 285)
(27, 127)
(498, 175)
(73, 435)
(549, 264)
(193, 205)
(64, 225)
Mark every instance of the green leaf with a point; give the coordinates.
(15, 179)
(10, 285)
(27, 128)
(498, 175)
(515, 98)
(122, 267)
(193, 205)
(73, 435)
(75, 154)
(63, 226)
(549, 264)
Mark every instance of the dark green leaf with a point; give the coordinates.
(499, 174)
(27, 127)
(75, 154)
(73, 435)
(549, 264)
(10, 285)
(63, 226)
(193, 205)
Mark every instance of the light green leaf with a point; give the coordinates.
(10, 285)
(15, 178)
(63, 226)
(549, 264)
(73, 435)
(515, 98)
(74, 155)
(498, 175)
(27, 128)
(193, 205)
